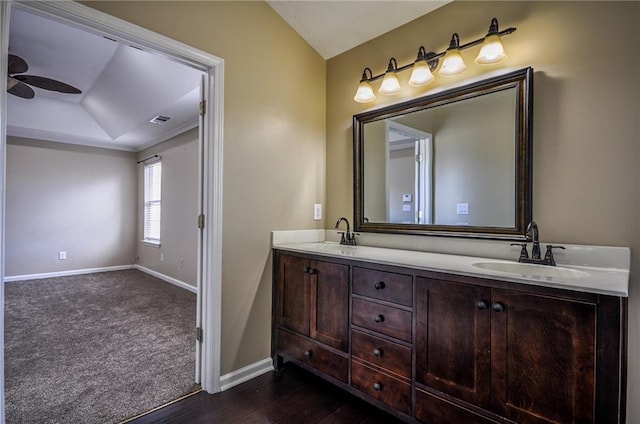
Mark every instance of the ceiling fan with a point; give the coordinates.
(17, 83)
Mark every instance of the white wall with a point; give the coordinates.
(62, 197)
(178, 231)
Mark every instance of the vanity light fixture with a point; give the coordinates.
(491, 52)
(390, 84)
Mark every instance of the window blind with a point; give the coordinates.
(152, 201)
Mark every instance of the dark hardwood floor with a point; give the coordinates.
(290, 396)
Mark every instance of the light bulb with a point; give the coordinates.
(421, 74)
(491, 51)
(452, 64)
(364, 93)
(390, 84)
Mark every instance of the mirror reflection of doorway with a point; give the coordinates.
(409, 162)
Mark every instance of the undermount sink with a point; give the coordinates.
(531, 270)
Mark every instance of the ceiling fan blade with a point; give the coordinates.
(47, 84)
(17, 65)
(22, 90)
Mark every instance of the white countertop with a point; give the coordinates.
(603, 280)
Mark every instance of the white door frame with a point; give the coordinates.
(211, 283)
(422, 142)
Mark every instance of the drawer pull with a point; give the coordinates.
(377, 352)
(377, 387)
(482, 305)
(379, 285)
(497, 307)
(379, 318)
(308, 353)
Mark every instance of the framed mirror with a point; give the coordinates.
(454, 163)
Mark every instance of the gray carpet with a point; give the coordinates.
(96, 348)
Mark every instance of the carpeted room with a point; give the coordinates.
(99, 346)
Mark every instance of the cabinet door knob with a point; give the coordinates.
(377, 352)
(311, 271)
(379, 318)
(308, 353)
(377, 386)
(306, 270)
(379, 285)
(482, 305)
(497, 307)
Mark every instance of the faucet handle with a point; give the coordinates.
(524, 254)
(548, 256)
(342, 237)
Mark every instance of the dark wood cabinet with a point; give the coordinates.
(311, 312)
(543, 358)
(313, 299)
(453, 339)
(528, 356)
(435, 348)
(294, 294)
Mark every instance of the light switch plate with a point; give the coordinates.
(462, 208)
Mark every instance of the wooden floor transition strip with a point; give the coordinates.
(128, 420)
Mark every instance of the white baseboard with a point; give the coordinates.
(254, 370)
(166, 278)
(65, 273)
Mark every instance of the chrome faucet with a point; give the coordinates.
(347, 237)
(534, 235)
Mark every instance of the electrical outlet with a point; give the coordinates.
(317, 211)
(161, 257)
(62, 255)
(181, 263)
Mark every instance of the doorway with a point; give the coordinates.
(210, 163)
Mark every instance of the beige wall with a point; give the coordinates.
(62, 197)
(586, 117)
(178, 232)
(474, 161)
(274, 145)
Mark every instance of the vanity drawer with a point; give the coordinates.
(382, 353)
(394, 393)
(313, 354)
(389, 286)
(384, 319)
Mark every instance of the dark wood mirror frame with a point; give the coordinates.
(522, 81)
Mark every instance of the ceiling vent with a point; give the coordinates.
(160, 119)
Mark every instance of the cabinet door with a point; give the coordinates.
(329, 315)
(543, 358)
(293, 294)
(453, 339)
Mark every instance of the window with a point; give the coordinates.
(152, 202)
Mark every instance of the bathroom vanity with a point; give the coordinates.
(440, 338)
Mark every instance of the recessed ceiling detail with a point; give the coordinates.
(122, 87)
